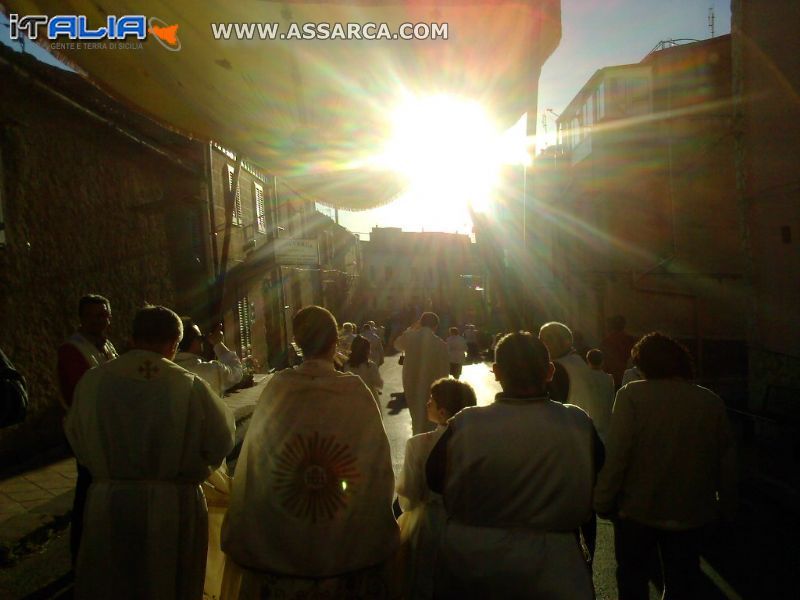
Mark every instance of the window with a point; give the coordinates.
(237, 205)
(600, 101)
(260, 212)
(244, 318)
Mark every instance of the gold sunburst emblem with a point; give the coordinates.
(315, 476)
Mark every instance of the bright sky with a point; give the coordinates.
(595, 34)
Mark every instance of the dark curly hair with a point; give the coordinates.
(659, 356)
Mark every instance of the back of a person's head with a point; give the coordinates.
(523, 360)
(594, 357)
(430, 320)
(90, 299)
(556, 335)
(359, 351)
(366, 327)
(315, 330)
(659, 356)
(189, 334)
(454, 331)
(347, 327)
(155, 325)
(453, 395)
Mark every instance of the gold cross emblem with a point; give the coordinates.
(148, 369)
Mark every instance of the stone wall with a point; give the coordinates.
(84, 209)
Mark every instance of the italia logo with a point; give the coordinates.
(76, 27)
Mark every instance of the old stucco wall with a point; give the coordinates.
(84, 212)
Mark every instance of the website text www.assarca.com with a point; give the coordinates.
(328, 31)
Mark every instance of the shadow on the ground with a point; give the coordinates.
(397, 403)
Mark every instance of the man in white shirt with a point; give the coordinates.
(457, 349)
(426, 360)
(221, 374)
(149, 432)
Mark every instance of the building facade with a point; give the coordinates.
(638, 205)
(405, 273)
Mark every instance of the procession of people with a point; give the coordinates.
(499, 497)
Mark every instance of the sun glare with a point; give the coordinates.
(451, 153)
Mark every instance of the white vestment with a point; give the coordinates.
(220, 374)
(589, 390)
(312, 496)
(150, 432)
(518, 484)
(423, 518)
(426, 360)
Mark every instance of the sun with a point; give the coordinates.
(451, 154)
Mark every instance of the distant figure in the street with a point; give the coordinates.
(360, 364)
(517, 479)
(471, 335)
(88, 347)
(616, 347)
(346, 338)
(311, 509)
(457, 349)
(602, 385)
(149, 432)
(426, 360)
(580, 345)
(222, 373)
(423, 515)
(670, 470)
(375, 344)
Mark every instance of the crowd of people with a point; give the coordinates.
(497, 498)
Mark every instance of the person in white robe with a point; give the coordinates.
(517, 479)
(222, 373)
(311, 507)
(423, 515)
(457, 350)
(426, 360)
(149, 432)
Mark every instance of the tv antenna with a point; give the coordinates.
(711, 19)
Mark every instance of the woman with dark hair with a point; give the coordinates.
(360, 364)
(669, 470)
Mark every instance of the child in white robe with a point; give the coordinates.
(423, 512)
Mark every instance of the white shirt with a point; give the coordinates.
(369, 373)
(220, 374)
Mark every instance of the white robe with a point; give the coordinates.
(220, 374)
(150, 432)
(312, 495)
(426, 360)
